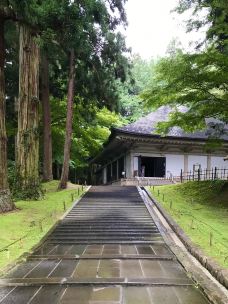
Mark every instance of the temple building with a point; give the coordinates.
(135, 151)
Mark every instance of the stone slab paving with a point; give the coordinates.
(107, 250)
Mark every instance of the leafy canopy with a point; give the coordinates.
(199, 80)
(91, 128)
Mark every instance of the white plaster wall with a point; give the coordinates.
(197, 159)
(174, 164)
(219, 162)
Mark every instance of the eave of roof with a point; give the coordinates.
(118, 131)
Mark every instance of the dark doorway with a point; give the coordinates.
(152, 166)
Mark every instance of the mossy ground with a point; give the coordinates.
(201, 210)
(31, 221)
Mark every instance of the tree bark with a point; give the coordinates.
(27, 153)
(69, 122)
(6, 203)
(47, 138)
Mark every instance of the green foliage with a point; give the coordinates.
(21, 191)
(91, 128)
(35, 191)
(130, 105)
(90, 27)
(213, 15)
(197, 81)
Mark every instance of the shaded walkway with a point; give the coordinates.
(107, 250)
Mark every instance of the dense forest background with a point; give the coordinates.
(67, 77)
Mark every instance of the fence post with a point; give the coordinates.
(211, 238)
(171, 204)
(198, 175)
(215, 173)
(181, 176)
(41, 226)
(212, 175)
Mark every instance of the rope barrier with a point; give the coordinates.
(39, 226)
(178, 213)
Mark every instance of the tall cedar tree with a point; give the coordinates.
(96, 28)
(47, 137)
(6, 203)
(27, 152)
(69, 121)
(83, 26)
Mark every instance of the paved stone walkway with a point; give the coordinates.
(107, 250)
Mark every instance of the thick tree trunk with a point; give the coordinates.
(47, 139)
(27, 156)
(69, 121)
(6, 203)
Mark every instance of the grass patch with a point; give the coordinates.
(32, 220)
(201, 210)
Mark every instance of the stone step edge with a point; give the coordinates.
(104, 257)
(14, 282)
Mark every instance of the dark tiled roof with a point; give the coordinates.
(147, 125)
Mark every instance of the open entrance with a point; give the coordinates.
(152, 166)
